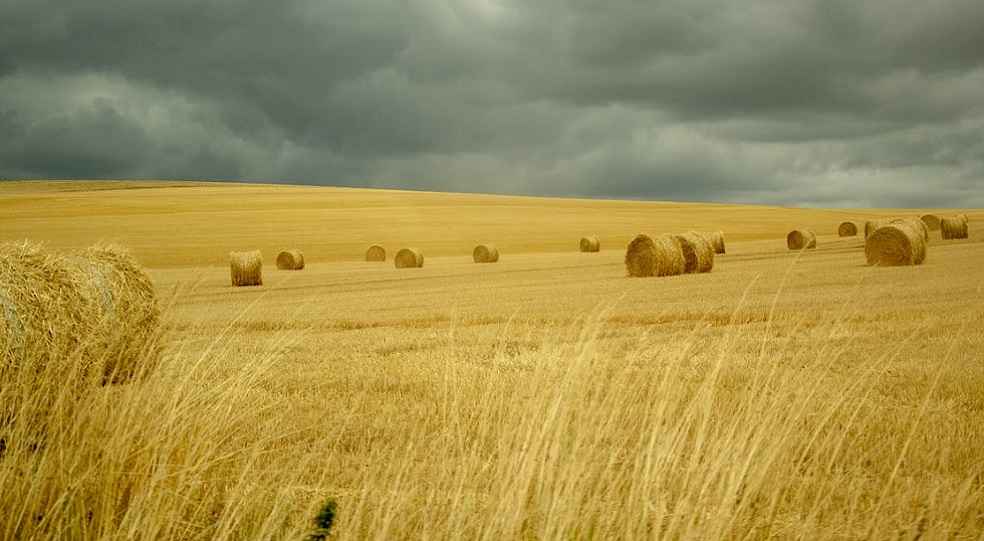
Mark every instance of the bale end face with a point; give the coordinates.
(485, 253)
(895, 244)
(646, 256)
(290, 260)
(932, 221)
(246, 268)
(409, 258)
(800, 239)
(589, 244)
(847, 229)
(697, 252)
(376, 253)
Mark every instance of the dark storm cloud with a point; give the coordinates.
(812, 102)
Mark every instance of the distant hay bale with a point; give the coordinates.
(917, 224)
(290, 260)
(70, 320)
(698, 254)
(932, 221)
(376, 253)
(590, 244)
(716, 238)
(954, 228)
(800, 239)
(408, 258)
(895, 244)
(847, 229)
(246, 268)
(485, 253)
(645, 256)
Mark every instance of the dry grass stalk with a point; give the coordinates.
(698, 254)
(954, 228)
(409, 258)
(800, 239)
(646, 256)
(485, 253)
(932, 221)
(589, 244)
(899, 243)
(246, 268)
(847, 229)
(376, 253)
(290, 260)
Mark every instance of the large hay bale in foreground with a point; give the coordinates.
(290, 260)
(485, 253)
(847, 229)
(698, 254)
(646, 256)
(716, 238)
(69, 321)
(246, 268)
(954, 228)
(376, 253)
(589, 244)
(409, 258)
(800, 239)
(894, 244)
(932, 221)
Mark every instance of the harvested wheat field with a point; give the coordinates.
(548, 396)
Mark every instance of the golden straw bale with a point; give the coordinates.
(893, 244)
(376, 253)
(290, 260)
(716, 238)
(69, 321)
(799, 239)
(698, 254)
(485, 253)
(954, 228)
(847, 229)
(408, 258)
(932, 221)
(246, 268)
(645, 256)
(590, 244)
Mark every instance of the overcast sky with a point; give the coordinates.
(831, 103)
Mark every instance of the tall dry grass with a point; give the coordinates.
(701, 436)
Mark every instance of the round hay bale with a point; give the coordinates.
(645, 256)
(246, 268)
(801, 239)
(698, 254)
(290, 260)
(847, 229)
(954, 228)
(68, 322)
(485, 253)
(376, 253)
(716, 238)
(409, 258)
(894, 244)
(590, 244)
(932, 221)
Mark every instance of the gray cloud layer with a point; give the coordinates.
(823, 102)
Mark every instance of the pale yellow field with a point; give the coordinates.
(545, 396)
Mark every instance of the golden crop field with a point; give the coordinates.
(546, 396)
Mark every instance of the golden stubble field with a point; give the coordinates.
(545, 396)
